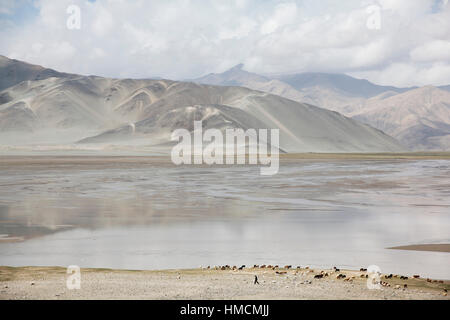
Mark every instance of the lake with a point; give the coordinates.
(146, 213)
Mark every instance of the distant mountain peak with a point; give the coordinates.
(236, 70)
(234, 76)
(237, 67)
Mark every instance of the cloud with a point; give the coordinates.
(284, 14)
(431, 51)
(404, 75)
(182, 39)
(103, 23)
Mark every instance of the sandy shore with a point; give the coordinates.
(441, 247)
(118, 159)
(50, 283)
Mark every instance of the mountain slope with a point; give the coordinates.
(13, 72)
(101, 110)
(337, 92)
(415, 116)
(339, 82)
(420, 118)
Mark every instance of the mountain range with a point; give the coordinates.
(42, 106)
(418, 117)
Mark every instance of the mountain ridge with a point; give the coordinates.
(126, 111)
(351, 97)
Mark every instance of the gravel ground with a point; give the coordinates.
(50, 283)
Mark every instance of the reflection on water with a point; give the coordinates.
(153, 216)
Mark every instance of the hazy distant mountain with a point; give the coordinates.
(447, 88)
(336, 92)
(232, 77)
(340, 82)
(102, 110)
(419, 118)
(236, 76)
(413, 115)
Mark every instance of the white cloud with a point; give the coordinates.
(186, 38)
(103, 23)
(404, 75)
(434, 50)
(284, 14)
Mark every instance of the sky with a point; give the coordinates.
(389, 42)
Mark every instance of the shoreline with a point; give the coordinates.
(274, 283)
(429, 247)
(131, 158)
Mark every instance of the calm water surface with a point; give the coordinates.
(153, 216)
